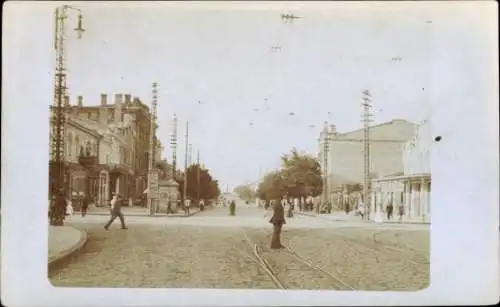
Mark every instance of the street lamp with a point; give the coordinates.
(57, 210)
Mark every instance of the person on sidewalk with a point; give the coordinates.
(389, 210)
(116, 211)
(401, 213)
(361, 211)
(187, 204)
(278, 219)
(290, 209)
(85, 205)
(69, 207)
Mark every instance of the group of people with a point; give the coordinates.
(389, 210)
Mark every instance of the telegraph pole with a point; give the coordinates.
(198, 175)
(366, 103)
(326, 147)
(58, 120)
(173, 146)
(152, 172)
(186, 162)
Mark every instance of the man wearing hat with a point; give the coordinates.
(116, 211)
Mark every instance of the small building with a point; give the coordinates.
(412, 187)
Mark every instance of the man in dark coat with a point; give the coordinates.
(116, 211)
(278, 219)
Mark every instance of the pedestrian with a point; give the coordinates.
(290, 209)
(361, 211)
(202, 205)
(401, 212)
(69, 207)
(389, 209)
(278, 219)
(116, 211)
(187, 204)
(232, 208)
(85, 205)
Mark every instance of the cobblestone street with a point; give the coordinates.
(212, 250)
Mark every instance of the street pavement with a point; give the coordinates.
(211, 250)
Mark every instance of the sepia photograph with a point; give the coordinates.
(255, 146)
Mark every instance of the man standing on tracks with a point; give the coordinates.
(278, 219)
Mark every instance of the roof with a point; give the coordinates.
(355, 134)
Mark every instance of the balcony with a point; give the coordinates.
(88, 160)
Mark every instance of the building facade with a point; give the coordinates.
(129, 121)
(412, 187)
(345, 156)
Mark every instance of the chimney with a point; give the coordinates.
(118, 108)
(103, 111)
(80, 101)
(128, 99)
(66, 101)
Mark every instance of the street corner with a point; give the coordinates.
(64, 241)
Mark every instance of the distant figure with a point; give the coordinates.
(290, 209)
(278, 219)
(390, 208)
(116, 211)
(232, 208)
(401, 212)
(187, 204)
(202, 205)
(85, 205)
(69, 207)
(361, 211)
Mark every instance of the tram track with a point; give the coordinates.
(309, 275)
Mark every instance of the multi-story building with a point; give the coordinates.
(130, 120)
(345, 158)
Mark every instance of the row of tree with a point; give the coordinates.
(200, 183)
(298, 176)
(245, 192)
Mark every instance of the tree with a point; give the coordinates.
(208, 187)
(301, 174)
(272, 186)
(245, 192)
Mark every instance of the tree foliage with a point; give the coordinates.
(299, 175)
(272, 186)
(208, 187)
(245, 192)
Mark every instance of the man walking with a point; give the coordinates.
(116, 211)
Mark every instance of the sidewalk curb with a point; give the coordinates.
(157, 215)
(367, 221)
(58, 258)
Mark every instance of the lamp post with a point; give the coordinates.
(58, 114)
(186, 163)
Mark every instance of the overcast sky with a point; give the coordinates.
(215, 67)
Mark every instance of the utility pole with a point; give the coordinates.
(198, 175)
(152, 171)
(186, 163)
(366, 103)
(58, 114)
(326, 147)
(173, 146)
